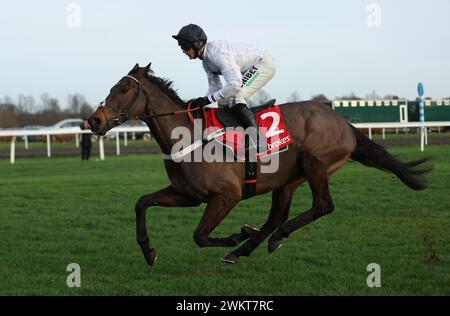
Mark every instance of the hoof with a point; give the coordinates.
(249, 230)
(230, 258)
(151, 257)
(274, 245)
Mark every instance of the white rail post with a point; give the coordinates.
(26, 141)
(13, 150)
(422, 139)
(384, 136)
(49, 152)
(125, 139)
(370, 132)
(77, 141)
(117, 144)
(420, 91)
(101, 148)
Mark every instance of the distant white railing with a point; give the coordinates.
(139, 129)
(394, 125)
(69, 131)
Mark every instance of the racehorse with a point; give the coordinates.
(323, 143)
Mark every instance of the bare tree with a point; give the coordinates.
(294, 97)
(372, 96)
(75, 102)
(51, 111)
(8, 116)
(25, 104)
(390, 97)
(25, 110)
(47, 112)
(7, 100)
(351, 96)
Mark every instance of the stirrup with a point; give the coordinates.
(247, 117)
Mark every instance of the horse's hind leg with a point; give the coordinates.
(165, 197)
(317, 176)
(217, 209)
(281, 202)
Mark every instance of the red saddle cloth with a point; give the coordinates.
(272, 127)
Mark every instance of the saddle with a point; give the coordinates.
(276, 139)
(227, 117)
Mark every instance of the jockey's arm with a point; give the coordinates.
(232, 76)
(214, 82)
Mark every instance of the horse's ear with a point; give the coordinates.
(148, 70)
(135, 68)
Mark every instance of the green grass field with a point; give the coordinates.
(61, 210)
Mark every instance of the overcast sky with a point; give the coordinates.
(324, 46)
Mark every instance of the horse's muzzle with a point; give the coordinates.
(97, 125)
(94, 124)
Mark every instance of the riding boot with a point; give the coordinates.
(247, 119)
(245, 115)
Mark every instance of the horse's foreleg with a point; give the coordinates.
(281, 202)
(317, 176)
(217, 209)
(165, 197)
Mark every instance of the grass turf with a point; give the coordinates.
(62, 210)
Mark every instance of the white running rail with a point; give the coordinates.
(139, 129)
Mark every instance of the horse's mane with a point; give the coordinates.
(166, 87)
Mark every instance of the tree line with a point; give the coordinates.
(26, 111)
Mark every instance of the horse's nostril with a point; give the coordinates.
(94, 123)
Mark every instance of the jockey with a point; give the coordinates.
(244, 67)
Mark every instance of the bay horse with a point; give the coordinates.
(323, 143)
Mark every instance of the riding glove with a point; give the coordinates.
(200, 102)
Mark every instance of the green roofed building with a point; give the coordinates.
(437, 110)
(370, 111)
(374, 111)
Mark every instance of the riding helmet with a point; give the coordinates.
(192, 35)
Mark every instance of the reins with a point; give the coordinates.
(188, 111)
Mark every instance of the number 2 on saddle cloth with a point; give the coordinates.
(271, 125)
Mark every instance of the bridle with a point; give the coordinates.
(123, 116)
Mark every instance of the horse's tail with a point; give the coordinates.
(371, 154)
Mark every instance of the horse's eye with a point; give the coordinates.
(123, 90)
